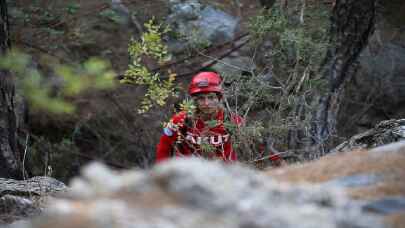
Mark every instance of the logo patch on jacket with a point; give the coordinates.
(215, 140)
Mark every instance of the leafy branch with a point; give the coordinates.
(150, 45)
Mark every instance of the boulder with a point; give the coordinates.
(15, 208)
(377, 91)
(22, 199)
(39, 185)
(198, 193)
(386, 132)
(234, 66)
(199, 24)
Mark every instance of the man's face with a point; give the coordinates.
(207, 102)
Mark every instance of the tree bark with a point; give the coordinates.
(9, 162)
(352, 23)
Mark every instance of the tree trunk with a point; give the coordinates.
(9, 159)
(352, 23)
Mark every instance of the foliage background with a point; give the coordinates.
(286, 48)
(107, 124)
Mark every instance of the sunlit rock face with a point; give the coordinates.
(373, 178)
(198, 193)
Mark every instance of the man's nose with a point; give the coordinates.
(205, 100)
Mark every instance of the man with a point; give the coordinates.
(203, 133)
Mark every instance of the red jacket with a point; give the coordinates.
(188, 141)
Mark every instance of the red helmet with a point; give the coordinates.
(205, 82)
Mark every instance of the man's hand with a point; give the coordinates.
(175, 124)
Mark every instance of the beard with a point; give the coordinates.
(208, 112)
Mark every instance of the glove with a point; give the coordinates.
(175, 124)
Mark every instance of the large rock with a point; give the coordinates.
(22, 199)
(197, 193)
(234, 65)
(199, 24)
(377, 92)
(386, 132)
(39, 185)
(15, 208)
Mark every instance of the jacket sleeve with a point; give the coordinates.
(164, 148)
